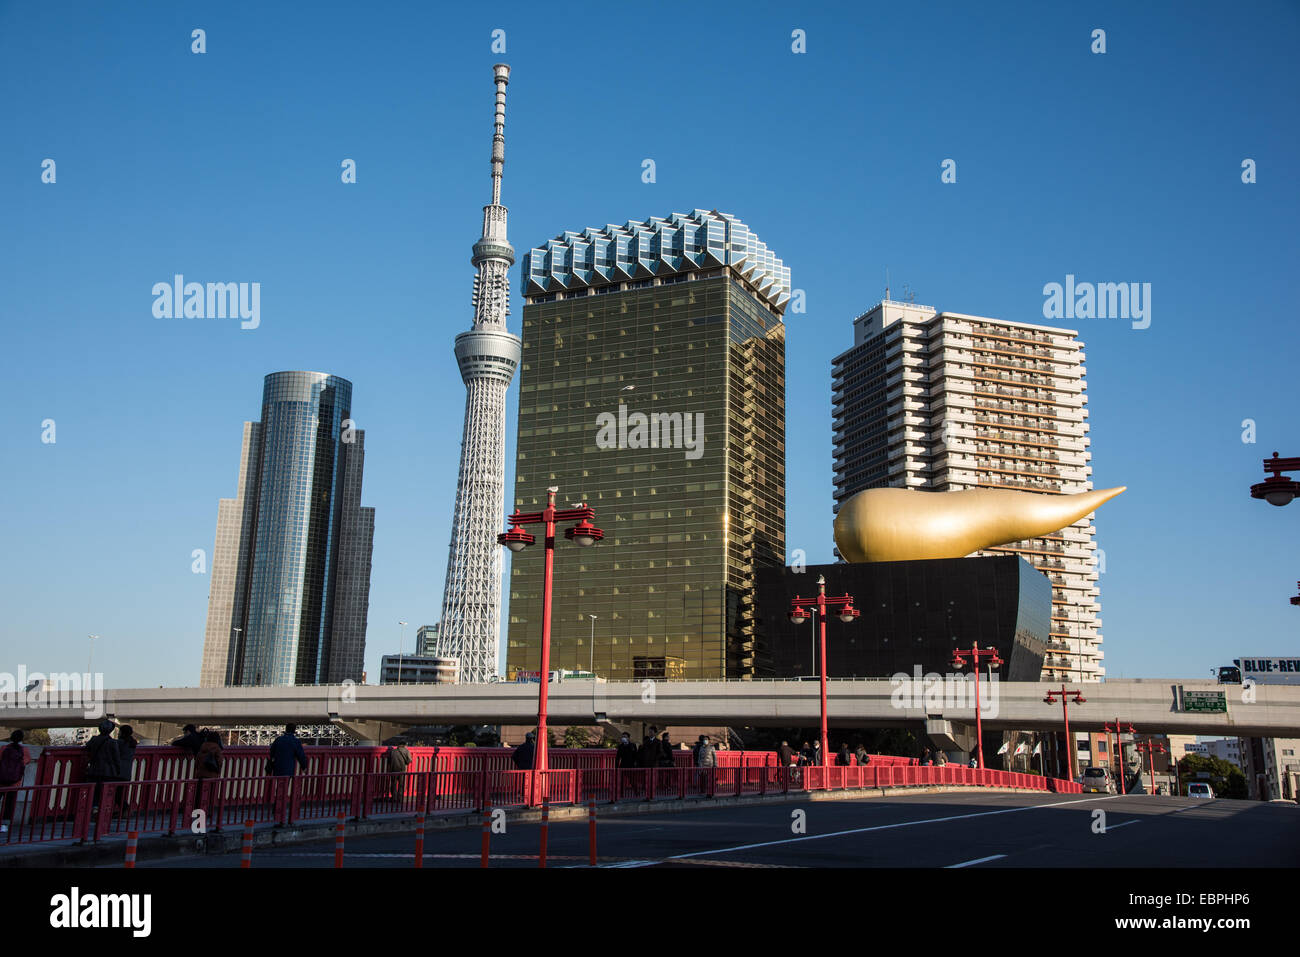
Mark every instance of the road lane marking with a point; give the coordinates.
(397, 855)
(886, 827)
(1111, 827)
(978, 860)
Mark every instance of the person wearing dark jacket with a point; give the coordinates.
(523, 755)
(785, 755)
(843, 759)
(192, 740)
(103, 760)
(13, 765)
(650, 749)
(286, 751)
(207, 765)
(626, 754)
(863, 758)
(127, 742)
(126, 745)
(665, 752)
(398, 758)
(626, 759)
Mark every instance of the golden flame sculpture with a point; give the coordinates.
(896, 524)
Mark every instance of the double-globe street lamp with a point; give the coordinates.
(976, 654)
(821, 604)
(1066, 697)
(584, 534)
(1277, 489)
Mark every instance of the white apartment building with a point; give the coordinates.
(945, 402)
(1225, 749)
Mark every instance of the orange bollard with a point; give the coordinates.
(246, 857)
(419, 840)
(487, 835)
(132, 839)
(591, 829)
(546, 816)
(338, 842)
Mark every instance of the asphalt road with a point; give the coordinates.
(924, 830)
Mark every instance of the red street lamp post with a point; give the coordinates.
(976, 654)
(1151, 747)
(1066, 697)
(584, 534)
(1277, 489)
(1117, 729)
(798, 615)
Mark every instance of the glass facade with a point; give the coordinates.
(297, 611)
(660, 403)
(913, 613)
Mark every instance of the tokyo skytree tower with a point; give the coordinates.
(488, 356)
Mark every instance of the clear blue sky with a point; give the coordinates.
(225, 166)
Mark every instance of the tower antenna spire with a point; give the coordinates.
(501, 75)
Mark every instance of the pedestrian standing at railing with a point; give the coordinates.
(522, 758)
(843, 759)
(127, 742)
(13, 765)
(863, 758)
(626, 755)
(626, 759)
(207, 764)
(665, 752)
(706, 760)
(785, 755)
(192, 740)
(284, 757)
(126, 745)
(650, 749)
(286, 751)
(398, 759)
(103, 760)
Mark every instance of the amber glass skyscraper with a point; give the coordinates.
(653, 388)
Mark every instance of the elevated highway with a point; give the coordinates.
(1152, 705)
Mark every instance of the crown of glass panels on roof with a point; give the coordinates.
(681, 243)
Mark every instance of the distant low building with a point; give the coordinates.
(418, 670)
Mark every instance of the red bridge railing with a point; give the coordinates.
(170, 805)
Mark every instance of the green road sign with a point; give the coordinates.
(1211, 701)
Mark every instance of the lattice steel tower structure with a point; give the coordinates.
(488, 356)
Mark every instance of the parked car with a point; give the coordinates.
(1199, 789)
(1098, 780)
